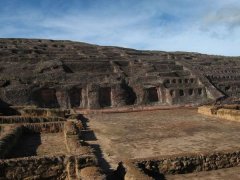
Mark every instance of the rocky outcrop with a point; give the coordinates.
(48, 73)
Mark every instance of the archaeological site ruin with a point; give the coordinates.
(71, 110)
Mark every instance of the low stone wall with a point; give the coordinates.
(207, 110)
(83, 164)
(181, 164)
(130, 172)
(229, 112)
(46, 167)
(22, 119)
(9, 140)
(87, 168)
(50, 127)
(80, 166)
(43, 112)
(91, 172)
(79, 163)
(72, 134)
(51, 167)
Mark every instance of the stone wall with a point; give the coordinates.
(228, 112)
(50, 127)
(43, 112)
(71, 134)
(187, 163)
(207, 110)
(50, 167)
(46, 167)
(188, 96)
(130, 172)
(22, 119)
(79, 163)
(83, 164)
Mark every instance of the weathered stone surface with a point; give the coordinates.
(67, 74)
(33, 168)
(181, 164)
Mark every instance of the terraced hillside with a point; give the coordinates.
(49, 73)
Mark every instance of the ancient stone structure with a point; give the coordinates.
(180, 164)
(46, 84)
(67, 74)
(68, 158)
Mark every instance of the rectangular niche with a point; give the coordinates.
(105, 99)
(152, 94)
(75, 97)
(48, 98)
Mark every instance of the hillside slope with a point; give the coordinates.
(50, 73)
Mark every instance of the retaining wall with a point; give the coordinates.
(181, 164)
(231, 113)
(47, 167)
(22, 119)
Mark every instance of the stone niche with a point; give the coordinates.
(122, 95)
(129, 95)
(151, 95)
(75, 95)
(105, 96)
(108, 95)
(46, 97)
(187, 95)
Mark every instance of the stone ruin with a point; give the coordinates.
(65, 74)
(42, 144)
(44, 82)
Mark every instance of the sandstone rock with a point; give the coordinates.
(78, 75)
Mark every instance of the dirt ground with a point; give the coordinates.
(120, 136)
(52, 144)
(39, 144)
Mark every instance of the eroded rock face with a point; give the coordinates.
(67, 74)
